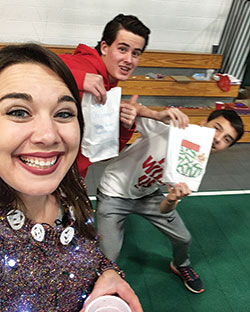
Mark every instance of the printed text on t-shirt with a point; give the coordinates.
(152, 173)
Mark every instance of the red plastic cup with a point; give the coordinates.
(108, 304)
(219, 105)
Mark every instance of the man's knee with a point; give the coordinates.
(185, 238)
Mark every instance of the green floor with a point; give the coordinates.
(220, 253)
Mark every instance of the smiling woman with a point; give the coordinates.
(49, 254)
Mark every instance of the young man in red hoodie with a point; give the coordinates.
(114, 58)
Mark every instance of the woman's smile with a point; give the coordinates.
(42, 163)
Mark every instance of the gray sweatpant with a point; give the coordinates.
(111, 215)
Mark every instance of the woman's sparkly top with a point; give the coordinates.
(46, 275)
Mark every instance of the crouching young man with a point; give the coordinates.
(130, 184)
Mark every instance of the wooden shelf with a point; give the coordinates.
(141, 85)
(172, 59)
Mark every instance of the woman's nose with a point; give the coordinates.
(45, 132)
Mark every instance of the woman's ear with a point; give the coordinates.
(104, 48)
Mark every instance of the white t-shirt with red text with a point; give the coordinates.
(137, 171)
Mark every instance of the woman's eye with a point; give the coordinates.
(65, 115)
(19, 113)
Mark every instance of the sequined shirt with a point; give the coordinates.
(47, 275)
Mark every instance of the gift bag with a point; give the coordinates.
(187, 154)
(101, 130)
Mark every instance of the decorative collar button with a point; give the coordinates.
(38, 232)
(67, 235)
(16, 219)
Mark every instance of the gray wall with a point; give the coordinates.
(177, 25)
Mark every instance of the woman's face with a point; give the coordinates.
(39, 129)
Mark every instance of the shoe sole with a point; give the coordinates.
(175, 271)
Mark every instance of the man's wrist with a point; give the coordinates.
(171, 201)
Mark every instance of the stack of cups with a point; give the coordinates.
(108, 304)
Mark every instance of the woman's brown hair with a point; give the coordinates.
(72, 186)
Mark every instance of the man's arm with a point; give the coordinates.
(86, 76)
(179, 119)
(130, 109)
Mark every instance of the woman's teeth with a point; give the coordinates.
(42, 164)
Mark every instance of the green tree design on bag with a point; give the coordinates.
(190, 160)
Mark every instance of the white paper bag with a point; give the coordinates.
(101, 131)
(187, 154)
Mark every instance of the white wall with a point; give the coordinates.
(181, 25)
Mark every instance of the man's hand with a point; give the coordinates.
(179, 191)
(93, 83)
(110, 283)
(128, 111)
(179, 119)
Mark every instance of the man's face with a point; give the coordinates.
(225, 134)
(122, 56)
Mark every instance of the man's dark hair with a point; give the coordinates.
(128, 22)
(233, 118)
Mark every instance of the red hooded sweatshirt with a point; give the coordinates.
(87, 60)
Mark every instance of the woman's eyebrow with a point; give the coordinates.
(17, 95)
(27, 97)
(66, 98)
